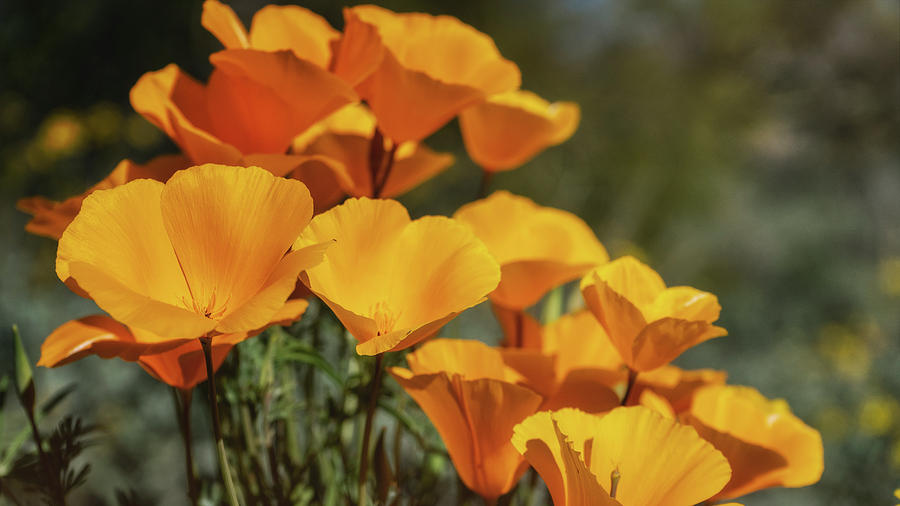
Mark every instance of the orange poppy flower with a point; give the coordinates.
(392, 281)
(185, 259)
(632, 456)
(51, 217)
(346, 138)
(677, 386)
(255, 103)
(765, 443)
(508, 129)
(181, 367)
(649, 324)
(418, 71)
(471, 397)
(537, 247)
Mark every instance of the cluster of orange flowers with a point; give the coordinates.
(207, 247)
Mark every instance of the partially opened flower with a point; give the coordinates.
(765, 443)
(419, 71)
(633, 455)
(537, 247)
(393, 281)
(677, 385)
(346, 138)
(473, 399)
(508, 129)
(201, 255)
(181, 366)
(649, 324)
(51, 217)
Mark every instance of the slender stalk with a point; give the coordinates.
(486, 177)
(632, 379)
(376, 157)
(519, 326)
(206, 343)
(183, 413)
(367, 430)
(388, 165)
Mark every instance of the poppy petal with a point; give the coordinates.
(645, 447)
(620, 318)
(556, 460)
(508, 129)
(223, 23)
(664, 340)
(292, 27)
(255, 213)
(269, 302)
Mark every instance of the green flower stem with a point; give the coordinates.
(367, 430)
(206, 343)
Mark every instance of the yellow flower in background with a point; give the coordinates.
(630, 456)
(508, 129)
(185, 259)
(393, 281)
(765, 443)
(648, 323)
(878, 414)
(537, 247)
(418, 71)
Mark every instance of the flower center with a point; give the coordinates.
(385, 318)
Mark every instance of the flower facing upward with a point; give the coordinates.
(765, 443)
(648, 323)
(474, 399)
(51, 218)
(631, 456)
(508, 129)
(419, 71)
(390, 280)
(346, 136)
(537, 247)
(202, 254)
(181, 366)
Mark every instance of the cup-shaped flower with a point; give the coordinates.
(202, 254)
(419, 71)
(631, 456)
(648, 323)
(537, 247)
(473, 399)
(179, 365)
(392, 281)
(50, 218)
(346, 137)
(508, 129)
(766, 444)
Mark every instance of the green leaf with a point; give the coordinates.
(24, 378)
(309, 356)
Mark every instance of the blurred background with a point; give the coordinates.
(748, 148)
